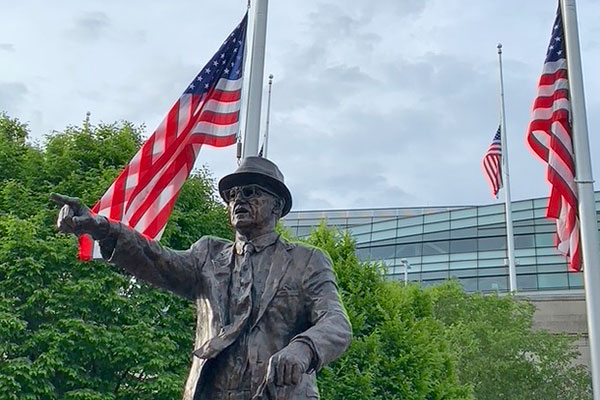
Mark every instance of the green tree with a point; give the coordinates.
(440, 342)
(399, 350)
(71, 330)
(500, 353)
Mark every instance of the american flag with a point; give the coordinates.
(549, 137)
(492, 164)
(207, 113)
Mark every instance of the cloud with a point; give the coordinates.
(90, 26)
(11, 95)
(7, 47)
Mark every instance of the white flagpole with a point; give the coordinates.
(257, 71)
(585, 188)
(510, 240)
(266, 136)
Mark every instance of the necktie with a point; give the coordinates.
(240, 307)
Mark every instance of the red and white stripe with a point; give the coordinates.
(549, 137)
(143, 195)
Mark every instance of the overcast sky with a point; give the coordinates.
(375, 103)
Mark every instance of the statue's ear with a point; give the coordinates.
(278, 206)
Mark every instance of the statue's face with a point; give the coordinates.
(250, 208)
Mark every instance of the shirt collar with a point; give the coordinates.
(259, 243)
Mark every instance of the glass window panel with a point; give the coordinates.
(408, 250)
(441, 216)
(438, 258)
(463, 223)
(521, 230)
(434, 275)
(522, 205)
(492, 254)
(463, 273)
(556, 259)
(493, 271)
(492, 243)
(522, 215)
(462, 256)
(552, 267)
(385, 226)
(413, 221)
(523, 223)
(337, 221)
(363, 254)
(539, 203)
(414, 262)
(493, 209)
(437, 247)
(527, 282)
(463, 264)
(490, 219)
(547, 251)
(541, 227)
(436, 226)
(383, 235)
(464, 232)
(359, 221)
(575, 280)
(410, 230)
(464, 213)
(539, 213)
(409, 239)
(553, 281)
(383, 252)
(443, 235)
(497, 283)
(524, 241)
(526, 269)
(358, 229)
(463, 245)
(526, 261)
(363, 238)
(304, 230)
(383, 242)
(544, 239)
(524, 252)
(469, 284)
(491, 231)
(434, 266)
(493, 262)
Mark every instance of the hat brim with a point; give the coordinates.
(249, 178)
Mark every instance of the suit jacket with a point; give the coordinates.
(299, 301)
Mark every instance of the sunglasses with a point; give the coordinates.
(246, 192)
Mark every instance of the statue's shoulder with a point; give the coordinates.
(211, 244)
(301, 249)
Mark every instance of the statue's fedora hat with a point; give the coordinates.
(262, 172)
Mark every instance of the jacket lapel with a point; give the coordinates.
(219, 287)
(279, 265)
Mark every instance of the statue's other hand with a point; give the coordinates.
(288, 365)
(76, 218)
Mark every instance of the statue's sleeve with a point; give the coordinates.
(173, 270)
(330, 333)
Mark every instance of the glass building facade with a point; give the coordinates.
(466, 243)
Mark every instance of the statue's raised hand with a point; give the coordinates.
(76, 218)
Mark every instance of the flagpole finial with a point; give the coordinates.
(499, 48)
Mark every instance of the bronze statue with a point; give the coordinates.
(269, 315)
